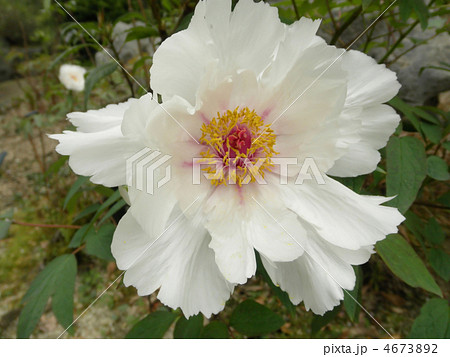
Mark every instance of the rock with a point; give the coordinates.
(417, 88)
(126, 50)
(420, 88)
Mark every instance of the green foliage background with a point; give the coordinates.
(414, 264)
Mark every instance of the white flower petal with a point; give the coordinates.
(179, 263)
(234, 254)
(101, 155)
(246, 219)
(244, 39)
(152, 211)
(101, 119)
(297, 38)
(369, 83)
(137, 116)
(341, 216)
(316, 278)
(378, 124)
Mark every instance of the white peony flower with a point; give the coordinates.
(72, 77)
(237, 87)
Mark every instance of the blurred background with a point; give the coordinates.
(46, 211)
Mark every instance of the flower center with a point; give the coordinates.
(239, 147)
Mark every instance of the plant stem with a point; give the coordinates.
(155, 6)
(399, 41)
(43, 225)
(78, 249)
(116, 54)
(411, 48)
(36, 154)
(428, 204)
(331, 16)
(346, 24)
(297, 15)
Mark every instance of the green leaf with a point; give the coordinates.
(353, 183)
(406, 170)
(366, 4)
(407, 110)
(190, 328)
(440, 262)
(5, 223)
(320, 321)
(62, 300)
(445, 199)
(425, 115)
(437, 168)
(154, 325)
(74, 189)
(69, 51)
(253, 319)
(282, 295)
(405, 9)
(433, 320)
(433, 232)
(94, 76)
(432, 132)
(99, 243)
(403, 261)
(351, 307)
(57, 280)
(139, 32)
(87, 211)
(129, 16)
(79, 235)
(415, 225)
(115, 208)
(215, 329)
(421, 10)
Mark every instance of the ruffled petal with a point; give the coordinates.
(234, 254)
(101, 154)
(244, 39)
(177, 262)
(316, 278)
(377, 124)
(98, 120)
(341, 216)
(369, 83)
(241, 219)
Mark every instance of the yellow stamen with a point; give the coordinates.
(227, 137)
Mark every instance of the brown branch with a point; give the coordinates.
(331, 16)
(297, 15)
(428, 204)
(78, 249)
(346, 24)
(44, 225)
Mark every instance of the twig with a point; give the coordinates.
(154, 6)
(297, 15)
(399, 41)
(411, 48)
(78, 249)
(36, 154)
(346, 24)
(127, 78)
(331, 16)
(43, 225)
(428, 204)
